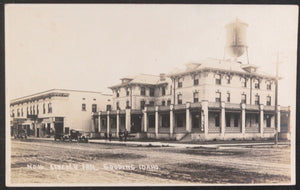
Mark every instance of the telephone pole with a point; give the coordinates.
(276, 102)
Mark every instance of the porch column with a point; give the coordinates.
(99, 121)
(171, 120)
(118, 122)
(93, 123)
(128, 120)
(204, 115)
(243, 106)
(278, 119)
(188, 117)
(108, 125)
(223, 123)
(261, 120)
(145, 119)
(156, 121)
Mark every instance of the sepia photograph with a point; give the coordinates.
(150, 94)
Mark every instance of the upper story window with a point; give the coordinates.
(30, 110)
(268, 103)
(118, 93)
(256, 84)
(228, 79)
(127, 91)
(33, 110)
(49, 108)
(108, 107)
(13, 113)
(163, 103)
(243, 101)
(151, 91)
(44, 109)
(218, 79)
(218, 96)
(18, 112)
(143, 104)
(127, 104)
(169, 102)
(163, 91)
(179, 99)
(118, 105)
(179, 84)
(256, 99)
(83, 107)
(151, 103)
(244, 82)
(94, 108)
(22, 112)
(196, 97)
(269, 86)
(143, 91)
(228, 97)
(27, 110)
(37, 109)
(196, 80)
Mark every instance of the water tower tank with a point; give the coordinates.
(236, 38)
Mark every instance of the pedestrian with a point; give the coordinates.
(120, 135)
(125, 135)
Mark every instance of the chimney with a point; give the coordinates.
(162, 76)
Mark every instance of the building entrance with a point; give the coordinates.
(136, 123)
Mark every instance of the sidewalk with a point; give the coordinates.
(182, 145)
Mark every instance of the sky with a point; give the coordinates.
(90, 47)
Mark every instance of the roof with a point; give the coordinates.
(145, 79)
(218, 64)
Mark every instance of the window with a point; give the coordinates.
(33, 110)
(163, 91)
(256, 99)
(179, 82)
(217, 120)
(22, 112)
(218, 79)
(67, 130)
(244, 82)
(151, 92)
(143, 104)
(49, 108)
(163, 103)
(228, 97)
(127, 104)
(37, 110)
(18, 112)
(256, 84)
(118, 93)
(196, 94)
(169, 102)
(244, 100)
(83, 107)
(108, 107)
(127, 92)
(228, 79)
(179, 99)
(268, 100)
(196, 80)
(12, 113)
(227, 120)
(218, 96)
(118, 105)
(44, 109)
(236, 120)
(30, 110)
(269, 86)
(256, 118)
(268, 118)
(27, 111)
(94, 108)
(151, 103)
(143, 91)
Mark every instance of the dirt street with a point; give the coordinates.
(96, 164)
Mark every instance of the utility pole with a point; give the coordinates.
(276, 102)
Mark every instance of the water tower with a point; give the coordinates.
(236, 44)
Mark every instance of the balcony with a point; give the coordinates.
(214, 104)
(196, 105)
(232, 106)
(164, 108)
(252, 107)
(269, 108)
(179, 107)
